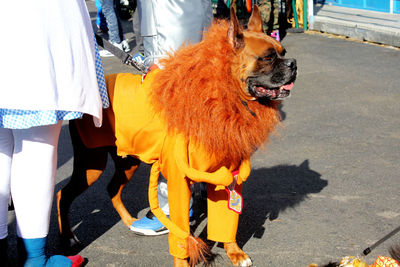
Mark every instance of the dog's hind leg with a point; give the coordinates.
(88, 166)
(125, 168)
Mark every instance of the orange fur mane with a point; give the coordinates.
(198, 95)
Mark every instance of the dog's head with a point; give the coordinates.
(263, 70)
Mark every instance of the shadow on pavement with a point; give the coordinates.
(92, 214)
(271, 191)
(266, 193)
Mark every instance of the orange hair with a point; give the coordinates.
(199, 95)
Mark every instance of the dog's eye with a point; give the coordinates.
(269, 57)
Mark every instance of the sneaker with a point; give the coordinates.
(149, 226)
(124, 46)
(105, 53)
(275, 34)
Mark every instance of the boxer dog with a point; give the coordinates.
(198, 119)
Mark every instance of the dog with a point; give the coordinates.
(198, 119)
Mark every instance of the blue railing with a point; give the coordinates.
(375, 5)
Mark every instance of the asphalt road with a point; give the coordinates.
(325, 187)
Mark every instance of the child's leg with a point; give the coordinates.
(34, 164)
(6, 148)
(33, 172)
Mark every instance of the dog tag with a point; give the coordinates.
(235, 200)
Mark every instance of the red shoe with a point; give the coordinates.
(77, 260)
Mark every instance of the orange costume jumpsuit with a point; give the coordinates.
(142, 133)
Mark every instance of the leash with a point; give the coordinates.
(380, 241)
(126, 58)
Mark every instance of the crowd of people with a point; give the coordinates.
(63, 80)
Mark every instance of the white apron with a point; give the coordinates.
(48, 57)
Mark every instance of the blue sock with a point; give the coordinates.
(36, 257)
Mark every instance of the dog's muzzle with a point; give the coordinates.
(276, 85)
(274, 93)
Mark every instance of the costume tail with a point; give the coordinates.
(197, 249)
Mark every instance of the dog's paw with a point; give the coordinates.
(246, 262)
(236, 255)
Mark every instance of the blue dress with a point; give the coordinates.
(23, 119)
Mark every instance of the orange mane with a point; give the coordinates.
(198, 95)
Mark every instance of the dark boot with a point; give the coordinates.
(3, 252)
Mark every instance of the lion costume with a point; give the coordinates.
(152, 125)
(195, 120)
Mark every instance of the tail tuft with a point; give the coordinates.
(198, 250)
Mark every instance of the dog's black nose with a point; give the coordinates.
(291, 63)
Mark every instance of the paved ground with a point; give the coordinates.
(326, 187)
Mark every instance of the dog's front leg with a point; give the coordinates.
(237, 256)
(223, 223)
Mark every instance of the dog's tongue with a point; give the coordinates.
(287, 86)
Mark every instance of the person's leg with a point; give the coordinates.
(275, 24)
(98, 7)
(112, 20)
(6, 148)
(222, 10)
(100, 19)
(117, 8)
(32, 178)
(265, 10)
(136, 30)
(3, 251)
(150, 225)
(115, 32)
(33, 172)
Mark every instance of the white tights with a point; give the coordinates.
(28, 163)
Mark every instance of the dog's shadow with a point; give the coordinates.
(92, 214)
(266, 193)
(271, 191)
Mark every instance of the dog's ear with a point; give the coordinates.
(255, 21)
(235, 32)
